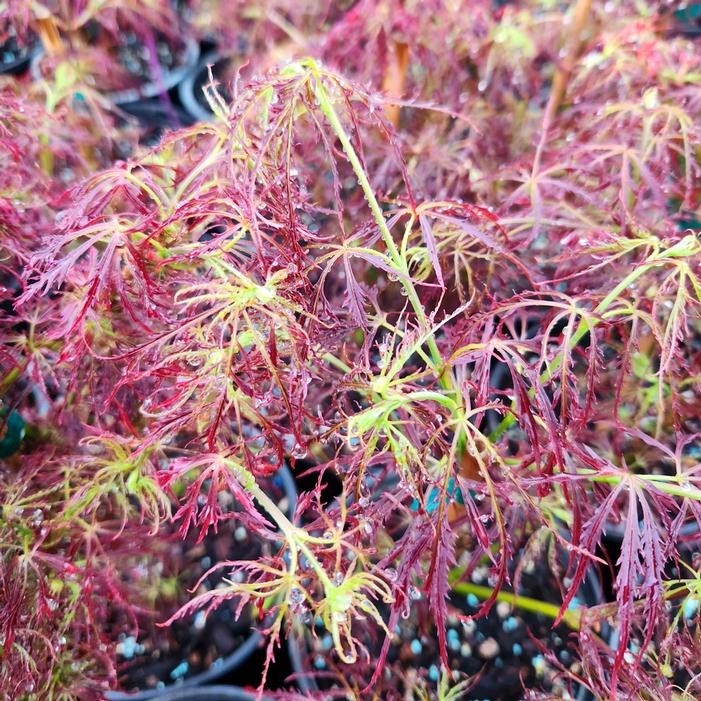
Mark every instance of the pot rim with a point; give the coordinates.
(211, 693)
(20, 64)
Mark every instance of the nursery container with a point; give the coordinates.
(226, 664)
(155, 115)
(210, 693)
(15, 59)
(169, 79)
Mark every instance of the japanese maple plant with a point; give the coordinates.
(506, 356)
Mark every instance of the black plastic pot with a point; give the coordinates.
(589, 593)
(155, 115)
(227, 664)
(21, 62)
(210, 693)
(169, 79)
(190, 89)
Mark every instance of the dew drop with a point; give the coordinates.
(299, 451)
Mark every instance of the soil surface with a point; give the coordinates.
(505, 648)
(134, 56)
(157, 656)
(505, 652)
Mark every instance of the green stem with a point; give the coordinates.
(148, 190)
(331, 359)
(444, 377)
(288, 529)
(570, 617)
(396, 257)
(437, 397)
(9, 379)
(669, 484)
